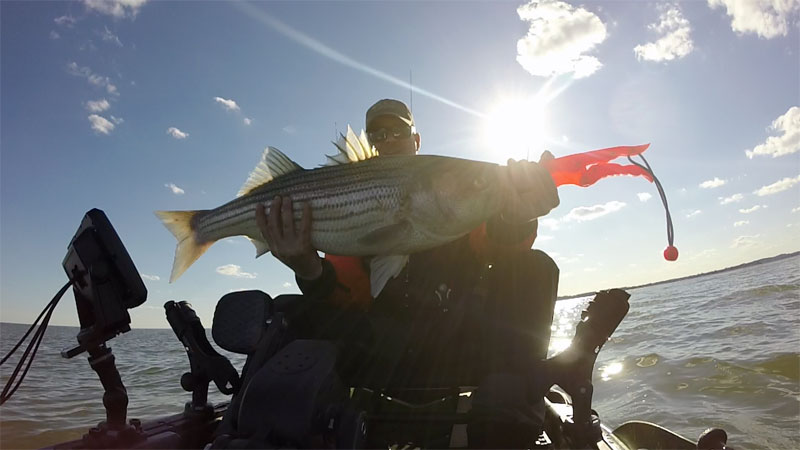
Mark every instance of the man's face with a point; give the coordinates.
(398, 138)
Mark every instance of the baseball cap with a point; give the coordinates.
(389, 107)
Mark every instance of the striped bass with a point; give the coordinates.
(362, 205)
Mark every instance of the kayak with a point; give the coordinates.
(290, 393)
(291, 397)
(192, 431)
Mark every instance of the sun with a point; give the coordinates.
(516, 128)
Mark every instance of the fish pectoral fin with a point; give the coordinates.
(389, 233)
(382, 268)
(261, 246)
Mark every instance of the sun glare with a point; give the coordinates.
(516, 129)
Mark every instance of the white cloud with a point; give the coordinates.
(794, 210)
(74, 69)
(543, 237)
(549, 223)
(693, 213)
(559, 38)
(150, 277)
(778, 186)
(229, 105)
(117, 120)
(585, 213)
(101, 81)
(789, 140)
(176, 133)
(118, 9)
(710, 184)
(65, 21)
(732, 199)
(108, 36)
(644, 196)
(247, 121)
(175, 189)
(741, 223)
(94, 79)
(745, 241)
(704, 254)
(289, 129)
(286, 284)
(753, 209)
(232, 270)
(54, 35)
(100, 124)
(97, 105)
(569, 259)
(674, 40)
(766, 18)
(88, 46)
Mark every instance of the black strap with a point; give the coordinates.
(8, 390)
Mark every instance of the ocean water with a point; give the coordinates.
(719, 350)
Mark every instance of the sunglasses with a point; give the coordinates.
(381, 134)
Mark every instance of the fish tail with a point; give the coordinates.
(190, 247)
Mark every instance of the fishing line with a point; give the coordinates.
(646, 166)
(47, 312)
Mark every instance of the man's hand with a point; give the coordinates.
(292, 246)
(534, 192)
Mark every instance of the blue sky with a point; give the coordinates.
(134, 106)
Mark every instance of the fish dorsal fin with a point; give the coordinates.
(352, 148)
(272, 165)
(382, 268)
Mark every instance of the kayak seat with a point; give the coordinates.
(290, 393)
(245, 323)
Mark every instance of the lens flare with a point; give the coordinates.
(516, 128)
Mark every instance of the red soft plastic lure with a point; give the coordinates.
(585, 169)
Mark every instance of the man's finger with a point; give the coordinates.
(305, 225)
(263, 225)
(274, 219)
(261, 220)
(288, 218)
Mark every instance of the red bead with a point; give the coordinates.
(671, 253)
